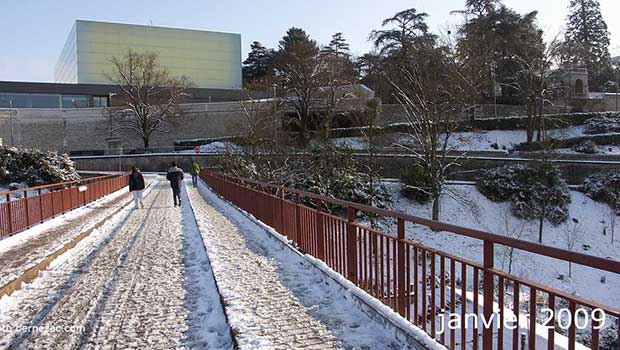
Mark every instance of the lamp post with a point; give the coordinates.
(617, 84)
(275, 108)
(11, 121)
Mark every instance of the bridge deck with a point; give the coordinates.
(144, 280)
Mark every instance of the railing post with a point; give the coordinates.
(40, 205)
(403, 289)
(351, 247)
(487, 308)
(297, 234)
(320, 233)
(281, 203)
(27, 208)
(9, 214)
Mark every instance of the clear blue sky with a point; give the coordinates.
(34, 31)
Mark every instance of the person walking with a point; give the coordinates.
(136, 187)
(175, 176)
(194, 171)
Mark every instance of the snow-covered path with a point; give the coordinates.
(24, 250)
(141, 281)
(274, 298)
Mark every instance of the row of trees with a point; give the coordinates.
(500, 39)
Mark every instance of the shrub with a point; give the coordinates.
(416, 184)
(533, 191)
(328, 171)
(333, 172)
(603, 187)
(587, 147)
(604, 123)
(34, 168)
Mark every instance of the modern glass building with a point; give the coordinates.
(209, 59)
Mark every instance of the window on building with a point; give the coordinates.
(100, 101)
(15, 100)
(45, 101)
(75, 101)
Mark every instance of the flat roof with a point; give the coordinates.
(156, 26)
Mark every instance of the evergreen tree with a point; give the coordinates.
(259, 64)
(403, 36)
(295, 40)
(338, 46)
(301, 71)
(587, 41)
(496, 39)
(410, 32)
(337, 59)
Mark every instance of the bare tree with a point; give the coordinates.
(572, 236)
(433, 96)
(513, 229)
(537, 82)
(151, 95)
(369, 120)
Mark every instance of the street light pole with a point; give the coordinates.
(617, 85)
(11, 121)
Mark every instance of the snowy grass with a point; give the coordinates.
(481, 213)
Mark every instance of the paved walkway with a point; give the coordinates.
(140, 283)
(143, 280)
(28, 251)
(275, 299)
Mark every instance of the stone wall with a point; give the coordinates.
(89, 128)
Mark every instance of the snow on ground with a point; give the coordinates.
(481, 213)
(274, 298)
(140, 280)
(217, 147)
(354, 143)
(17, 195)
(606, 149)
(20, 252)
(482, 140)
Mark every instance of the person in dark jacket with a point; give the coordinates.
(175, 176)
(136, 187)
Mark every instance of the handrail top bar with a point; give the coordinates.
(58, 184)
(577, 299)
(541, 249)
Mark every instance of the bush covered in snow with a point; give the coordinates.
(586, 147)
(416, 183)
(534, 191)
(33, 167)
(609, 338)
(604, 187)
(329, 170)
(333, 172)
(604, 123)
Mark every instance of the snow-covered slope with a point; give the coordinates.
(478, 212)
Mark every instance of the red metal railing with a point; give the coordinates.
(18, 214)
(423, 284)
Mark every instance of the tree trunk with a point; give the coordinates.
(530, 123)
(540, 224)
(145, 139)
(436, 209)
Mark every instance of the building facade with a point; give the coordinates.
(69, 96)
(210, 60)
